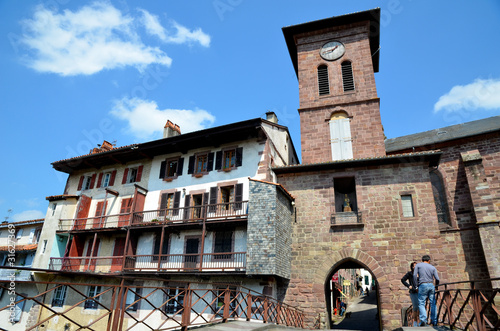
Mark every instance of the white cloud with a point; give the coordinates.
(146, 120)
(27, 215)
(96, 37)
(181, 35)
(480, 94)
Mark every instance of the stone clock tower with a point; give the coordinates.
(335, 60)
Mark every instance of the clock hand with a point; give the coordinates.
(330, 50)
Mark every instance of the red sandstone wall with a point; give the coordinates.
(385, 244)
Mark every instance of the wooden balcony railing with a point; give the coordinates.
(229, 261)
(98, 264)
(97, 222)
(132, 307)
(220, 211)
(214, 212)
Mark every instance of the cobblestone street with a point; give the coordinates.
(363, 315)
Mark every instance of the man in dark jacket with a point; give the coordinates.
(424, 275)
(407, 281)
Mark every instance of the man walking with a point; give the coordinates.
(424, 275)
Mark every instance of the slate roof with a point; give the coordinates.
(458, 131)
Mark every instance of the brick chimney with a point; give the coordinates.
(171, 130)
(271, 117)
(104, 147)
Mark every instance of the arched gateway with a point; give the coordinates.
(347, 258)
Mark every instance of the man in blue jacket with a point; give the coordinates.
(424, 275)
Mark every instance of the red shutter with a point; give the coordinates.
(139, 174)
(92, 181)
(80, 184)
(112, 179)
(124, 180)
(99, 180)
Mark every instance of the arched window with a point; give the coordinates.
(323, 84)
(439, 197)
(340, 136)
(347, 76)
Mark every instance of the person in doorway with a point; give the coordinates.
(426, 276)
(342, 308)
(407, 281)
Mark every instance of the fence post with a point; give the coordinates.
(266, 308)
(249, 307)
(186, 313)
(476, 304)
(118, 307)
(227, 300)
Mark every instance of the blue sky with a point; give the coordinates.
(73, 73)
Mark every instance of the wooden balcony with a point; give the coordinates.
(227, 261)
(222, 212)
(98, 264)
(232, 211)
(95, 223)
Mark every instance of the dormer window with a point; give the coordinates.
(323, 83)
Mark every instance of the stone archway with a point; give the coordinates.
(344, 259)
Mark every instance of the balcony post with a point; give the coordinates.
(161, 247)
(203, 233)
(124, 257)
(92, 251)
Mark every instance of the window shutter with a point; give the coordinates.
(177, 200)
(345, 138)
(335, 140)
(163, 168)
(125, 174)
(238, 195)
(180, 166)
(191, 164)
(205, 202)
(213, 199)
(112, 179)
(92, 181)
(99, 180)
(80, 183)
(347, 76)
(239, 156)
(323, 84)
(218, 160)
(163, 204)
(139, 174)
(187, 200)
(210, 163)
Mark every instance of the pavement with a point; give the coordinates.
(364, 315)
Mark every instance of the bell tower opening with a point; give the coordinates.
(352, 297)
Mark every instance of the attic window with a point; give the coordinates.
(347, 76)
(323, 84)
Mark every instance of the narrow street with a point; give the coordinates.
(364, 316)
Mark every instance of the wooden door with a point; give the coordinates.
(116, 263)
(100, 215)
(192, 247)
(91, 262)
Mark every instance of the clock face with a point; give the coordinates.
(332, 50)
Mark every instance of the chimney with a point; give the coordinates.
(171, 130)
(104, 147)
(271, 117)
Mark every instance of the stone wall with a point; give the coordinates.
(268, 231)
(384, 245)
